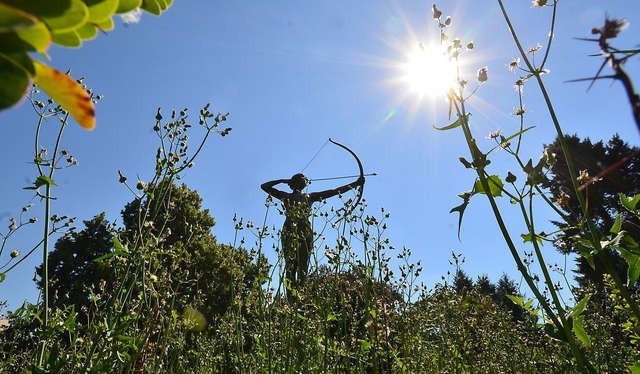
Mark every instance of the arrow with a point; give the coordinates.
(343, 177)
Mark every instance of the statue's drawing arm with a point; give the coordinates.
(269, 188)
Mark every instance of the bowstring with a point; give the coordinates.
(315, 155)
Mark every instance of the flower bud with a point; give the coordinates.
(482, 74)
(436, 12)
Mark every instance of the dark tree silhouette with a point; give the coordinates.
(187, 259)
(484, 286)
(74, 276)
(612, 168)
(504, 288)
(203, 271)
(462, 283)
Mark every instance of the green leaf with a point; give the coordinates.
(526, 305)
(167, 4)
(3, 276)
(128, 5)
(494, 183)
(633, 262)
(577, 325)
(106, 25)
(87, 32)
(117, 245)
(118, 249)
(100, 10)
(38, 37)
(67, 38)
(578, 330)
(586, 250)
(455, 124)
(506, 139)
(365, 346)
(630, 244)
(518, 300)
(76, 16)
(15, 81)
(43, 180)
(152, 6)
(466, 197)
(526, 238)
(581, 306)
(59, 15)
(12, 18)
(617, 225)
(35, 38)
(629, 202)
(23, 60)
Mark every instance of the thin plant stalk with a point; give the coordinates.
(595, 237)
(47, 221)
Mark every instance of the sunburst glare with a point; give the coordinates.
(428, 71)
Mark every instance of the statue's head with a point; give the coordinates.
(298, 182)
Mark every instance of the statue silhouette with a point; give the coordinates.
(297, 234)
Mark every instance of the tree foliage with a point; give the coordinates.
(74, 273)
(607, 170)
(203, 272)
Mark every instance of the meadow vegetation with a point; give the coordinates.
(159, 293)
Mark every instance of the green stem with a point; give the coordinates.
(45, 270)
(461, 111)
(592, 230)
(578, 353)
(47, 222)
(529, 221)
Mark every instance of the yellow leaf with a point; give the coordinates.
(68, 93)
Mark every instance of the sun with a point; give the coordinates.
(428, 71)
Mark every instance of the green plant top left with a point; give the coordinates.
(30, 26)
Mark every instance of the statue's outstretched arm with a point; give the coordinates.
(269, 188)
(322, 195)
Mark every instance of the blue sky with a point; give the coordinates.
(292, 75)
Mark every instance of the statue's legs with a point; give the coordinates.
(304, 255)
(296, 248)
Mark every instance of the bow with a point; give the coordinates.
(361, 187)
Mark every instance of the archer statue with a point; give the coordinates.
(297, 233)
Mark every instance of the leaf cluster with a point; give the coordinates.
(32, 26)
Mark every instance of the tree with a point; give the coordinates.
(189, 264)
(484, 286)
(607, 170)
(74, 275)
(462, 283)
(183, 257)
(507, 287)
